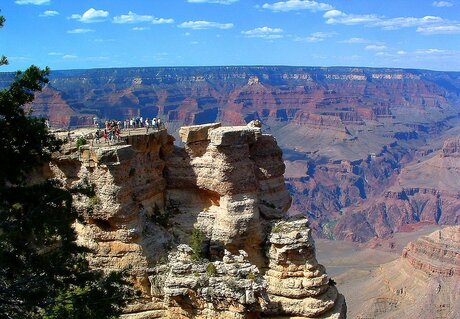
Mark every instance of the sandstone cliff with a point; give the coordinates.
(148, 197)
(355, 128)
(423, 283)
(436, 254)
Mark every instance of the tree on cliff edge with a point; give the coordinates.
(43, 273)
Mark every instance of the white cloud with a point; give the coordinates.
(429, 51)
(69, 56)
(213, 1)
(295, 5)
(441, 29)
(54, 53)
(375, 47)
(333, 13)
(405, 22)
(91, 15)
(79, 31)
(425, 25)
(203, 25)
(49, 13)
(422, 54)
(354, 41)
(140, 28)
(264, 33)
(441, 4)
(315, 37)
(35, 2)
(339, 17)
(162, 21)
(132, 17)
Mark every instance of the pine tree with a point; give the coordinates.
(43, 272)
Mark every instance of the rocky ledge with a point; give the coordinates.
(436, 254)
(144, 200)
(451, 148)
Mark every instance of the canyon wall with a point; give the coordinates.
(146, 198)
(351, 130)
(318, 97)
(422, 283)
(425, 190)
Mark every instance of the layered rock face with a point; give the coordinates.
(235, 94)
(355, 128)
(451, 148)
(297, 285)
(231, 288)
(227, 183)
(436, 254)
(423, 191)
(423, 283)
(127, 183)
(294, 286)
(227, 179)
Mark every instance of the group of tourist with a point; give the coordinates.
(140, 122)
(111, 132)
(112, 129)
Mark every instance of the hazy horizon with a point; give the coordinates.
(241, 66)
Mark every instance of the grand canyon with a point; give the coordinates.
(368, 156)
(368, 151)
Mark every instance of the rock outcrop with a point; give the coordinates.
(297, 285)
(229, 288)
(436, 254)
(126, 184)
(326, 116)
(422, 191)
(451, 148)
(145, 198)
(423, 283)
(227, 179)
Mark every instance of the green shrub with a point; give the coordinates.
(81, 141)
(163, 217)
(94, 201)
(278, 229)
(211, 270)
(197, 242)
(252, 276)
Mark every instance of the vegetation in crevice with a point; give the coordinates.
(80, 141)
(211, 270)
(197, 243)
(163, 217)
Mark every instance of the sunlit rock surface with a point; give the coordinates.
(144, 197)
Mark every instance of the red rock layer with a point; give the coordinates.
(436, 254)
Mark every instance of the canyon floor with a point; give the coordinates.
(379, 283)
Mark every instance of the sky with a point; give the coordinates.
(67, 34)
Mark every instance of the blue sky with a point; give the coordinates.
(66, 34)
